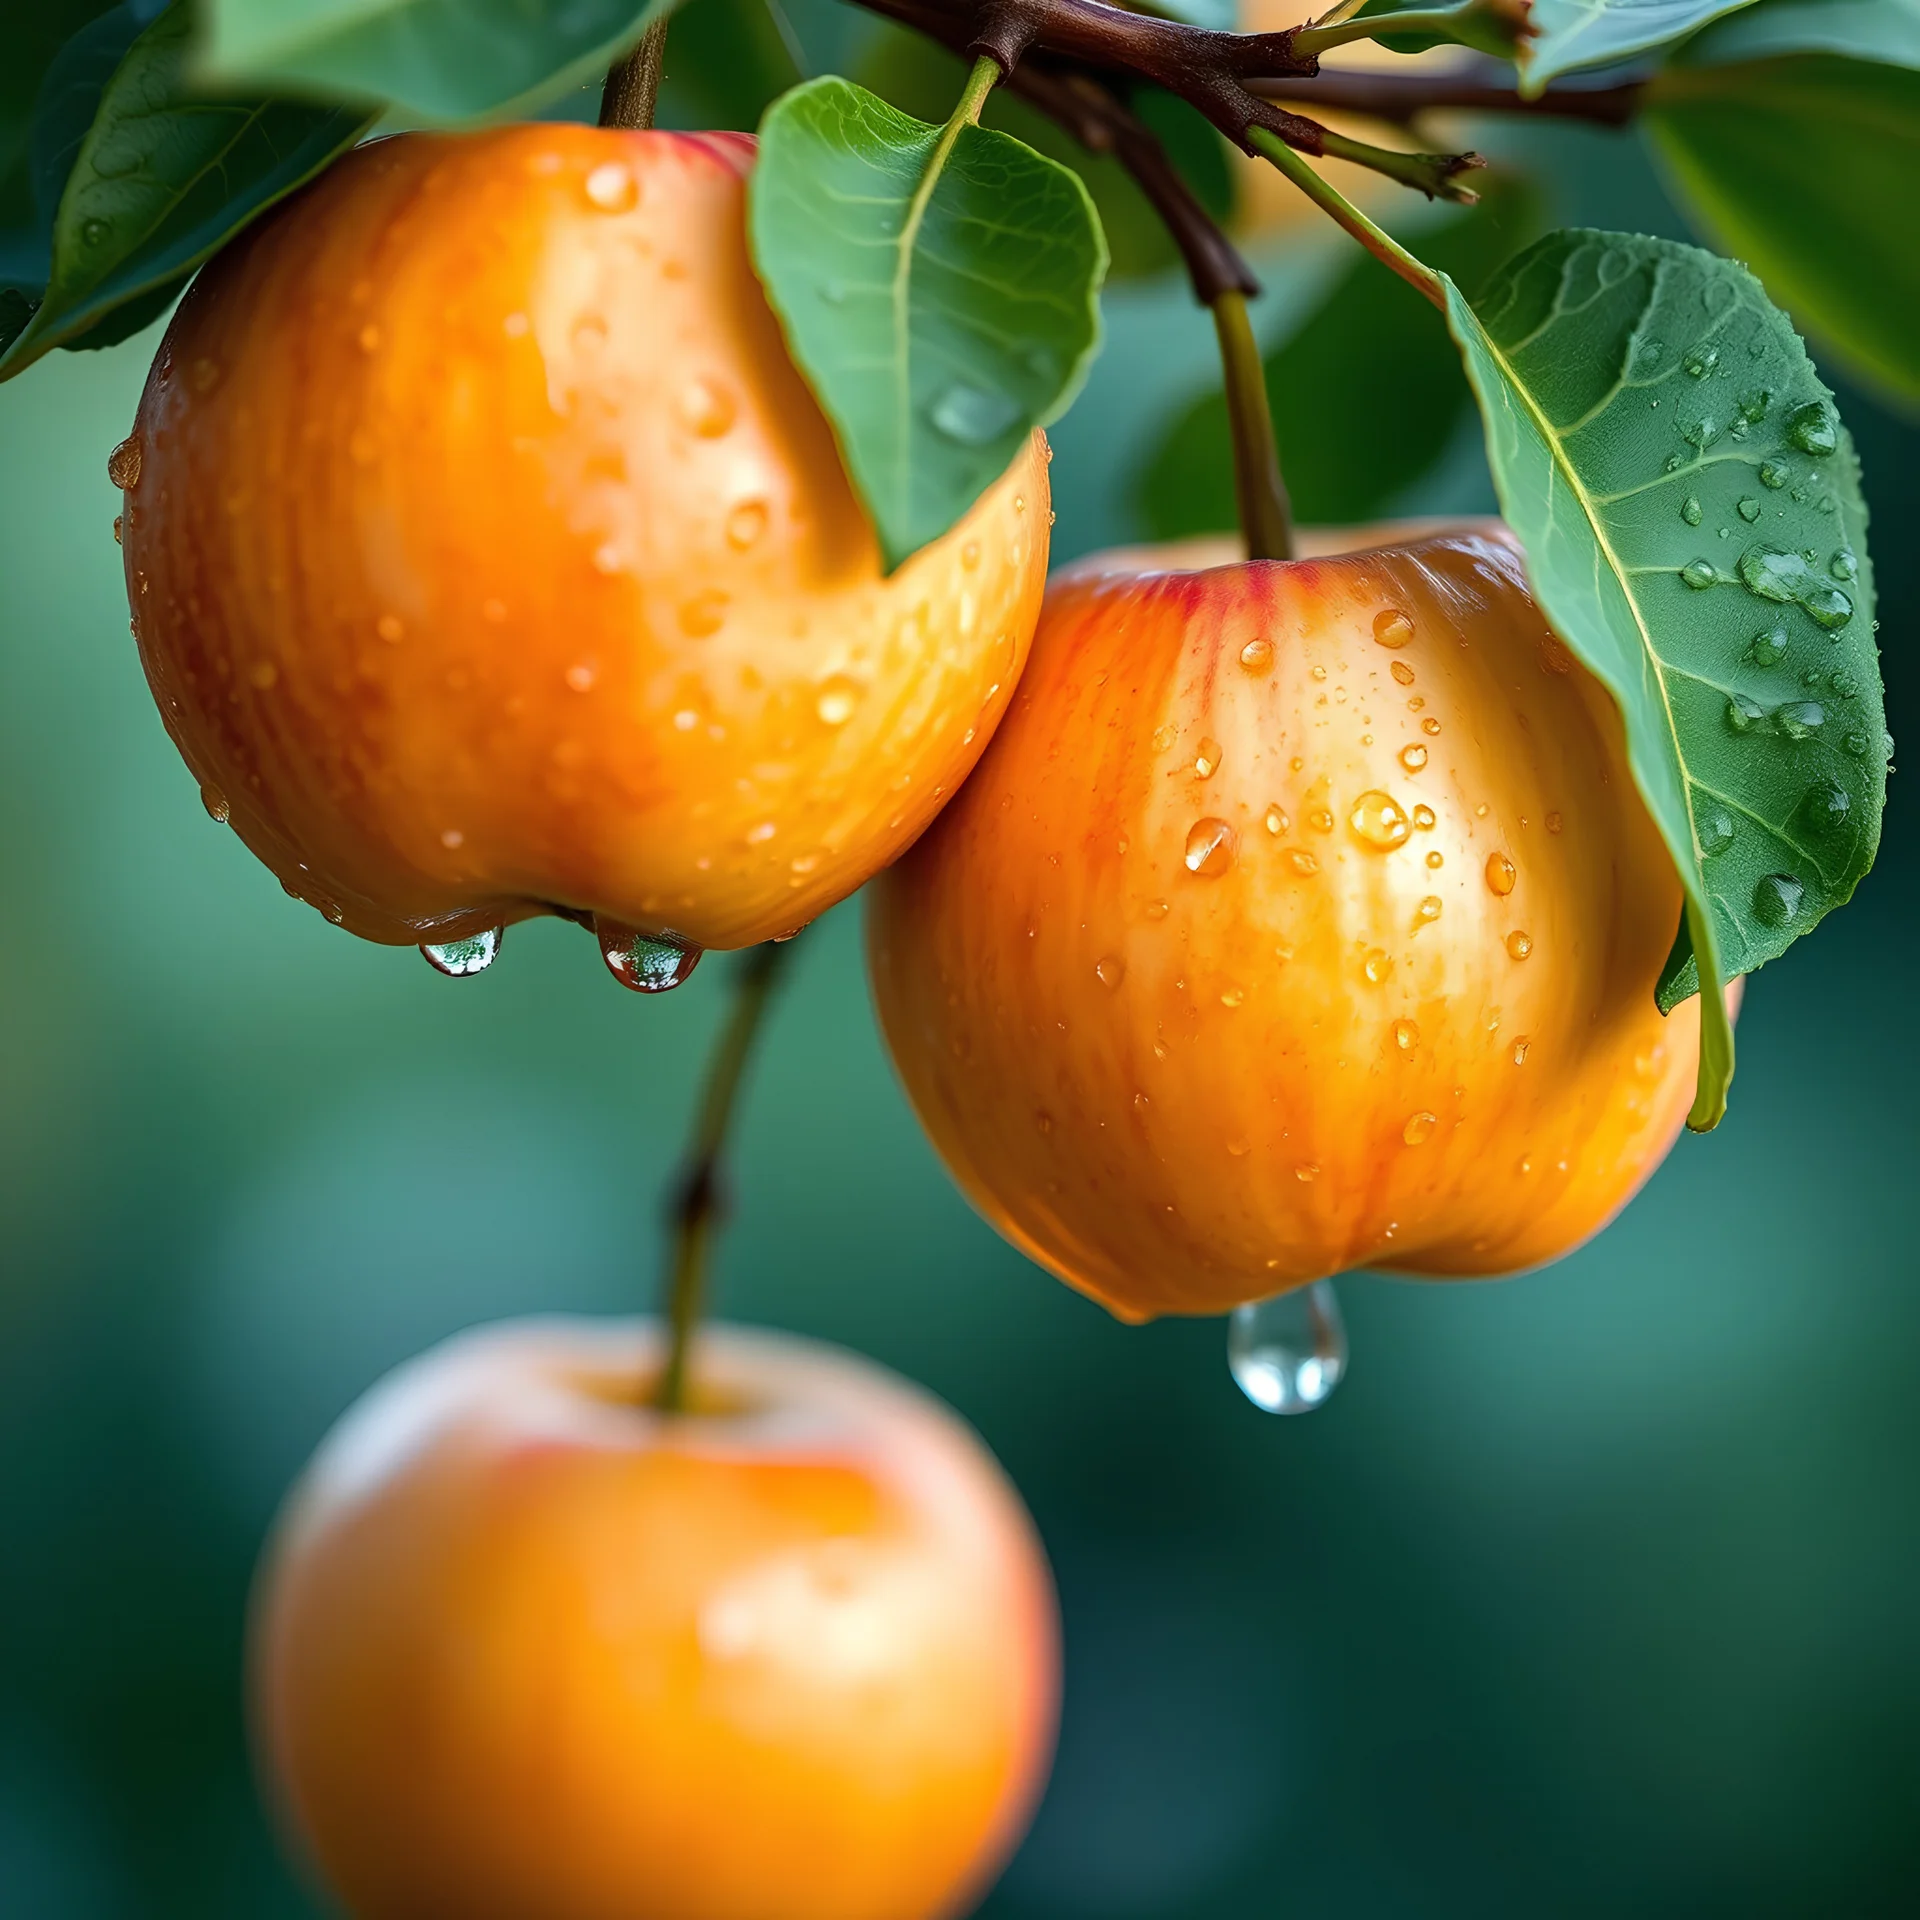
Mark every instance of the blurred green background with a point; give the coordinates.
(1591, 1592)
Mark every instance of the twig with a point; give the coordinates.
(633, 84)
(1400, 98)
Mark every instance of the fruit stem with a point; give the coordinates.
(701, 1201)
(1266, 517)
(1384, 248)
(633, 84)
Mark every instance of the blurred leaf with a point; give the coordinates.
(438, 60)
(1807, 168)
(1690, 508)
(728, 61)
(1366, 394)
(161, 179)
(1589, 33)
(33, 38)
(936, 334)
(1884, 30)
(922, 78)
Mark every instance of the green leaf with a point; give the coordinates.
(921, 77)
(1887, 31)
(163, 178)
(1806, 168)
(730, 61)
(34, 38)
(1690, 508)
(939, 311)
(436, 60)
(1589, 33)
(1374, 335)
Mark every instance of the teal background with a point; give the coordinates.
(1588, 1593)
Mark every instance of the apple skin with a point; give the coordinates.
(1188, 1037)
(525, 1649)
(488, 556)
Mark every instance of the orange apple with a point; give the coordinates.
(489, 557)
(526, 1649)
(1302, 916)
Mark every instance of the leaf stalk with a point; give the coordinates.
(1266, 515)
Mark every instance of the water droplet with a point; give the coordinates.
(1424, 817)
(1812, 429)
(1773, 474)
(1702, 361)
(93, 232)
(1690, 511)
(1321, 819)
(1419, 1128)
(1672, 463)
(705, 408)
(1429, 725)
(1257, 655)
(123, 463)
(1303, 862)
(1406, 1035)
(1519, 945)
(1776, 899)
(1754, 405)
(1110, 971)
(1209, 849)
(119, 529)
(1771, 574)
(1768, 648)
(1402, 673)
(836, 700)
(1699, 433)
(1844, 565)
(461, 959)
(215, 803)
(1206, 759)
(1800, 719)
(1428, 911)
(1233, 997)
(1377, 965)
(1743, 713)
(1288, 1354)
(1501, 874)
(1392, 628)
(1827, 607)
(1715, 828)
(746, 522)
(1379, 821)
(972, 416)
(1825, 807)
(1276, 821)
(643, 961)
(1521, 1048)
(1413, 758)
(612, 187)
(1307, 1171)
(1699, 573)
(1436, 859)
(1749, 509)
(833, 292)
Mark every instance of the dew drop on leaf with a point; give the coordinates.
(1776, 899)
(1811, 428)
(1690, 511)
(1699, 574)
(1749, 510)
(1743, 713)
(1768, 648)
(1714, 826)
(1825, 807)
(971, 415)
(1800, 719)
(1773, 474)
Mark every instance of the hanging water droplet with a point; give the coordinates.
(1392, 628)
(1699, 573)
(1379, 821)
(1812, 428)
(1209, 850)
(972, 416)
(1776, 899)
(1768, 648)
(1715, 828)
(1288, 1354)
(1257, 655)
(215, 803)
(1690, 511)
(1501, 874)
(461, 959)
(1800, 719)
(643, 961)
(123, 463)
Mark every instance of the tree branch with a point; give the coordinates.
(1400, 98)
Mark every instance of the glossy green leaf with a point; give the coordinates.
(33, 40)
(437, 60)
(1690, 507)
(729, 61)
(937, 327)
(921, 77)
(1374, 335)
(1569, 34)
(1887, 31)
(1806, 168)
(162, 178)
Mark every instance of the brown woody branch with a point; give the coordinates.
(1400, 98)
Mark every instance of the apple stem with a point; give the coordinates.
(700, 1203)
(1266, 517)
(633, 84)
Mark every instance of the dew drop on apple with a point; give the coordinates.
(1288, 1354)
(215, 802)
(643, 961)
(123, 464)
(1392, 628)
(1110, 970)
(1257, 655)
(612, 187)
(1502, 874)
(462, 959)
(1209, 850)
(1379, 821)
